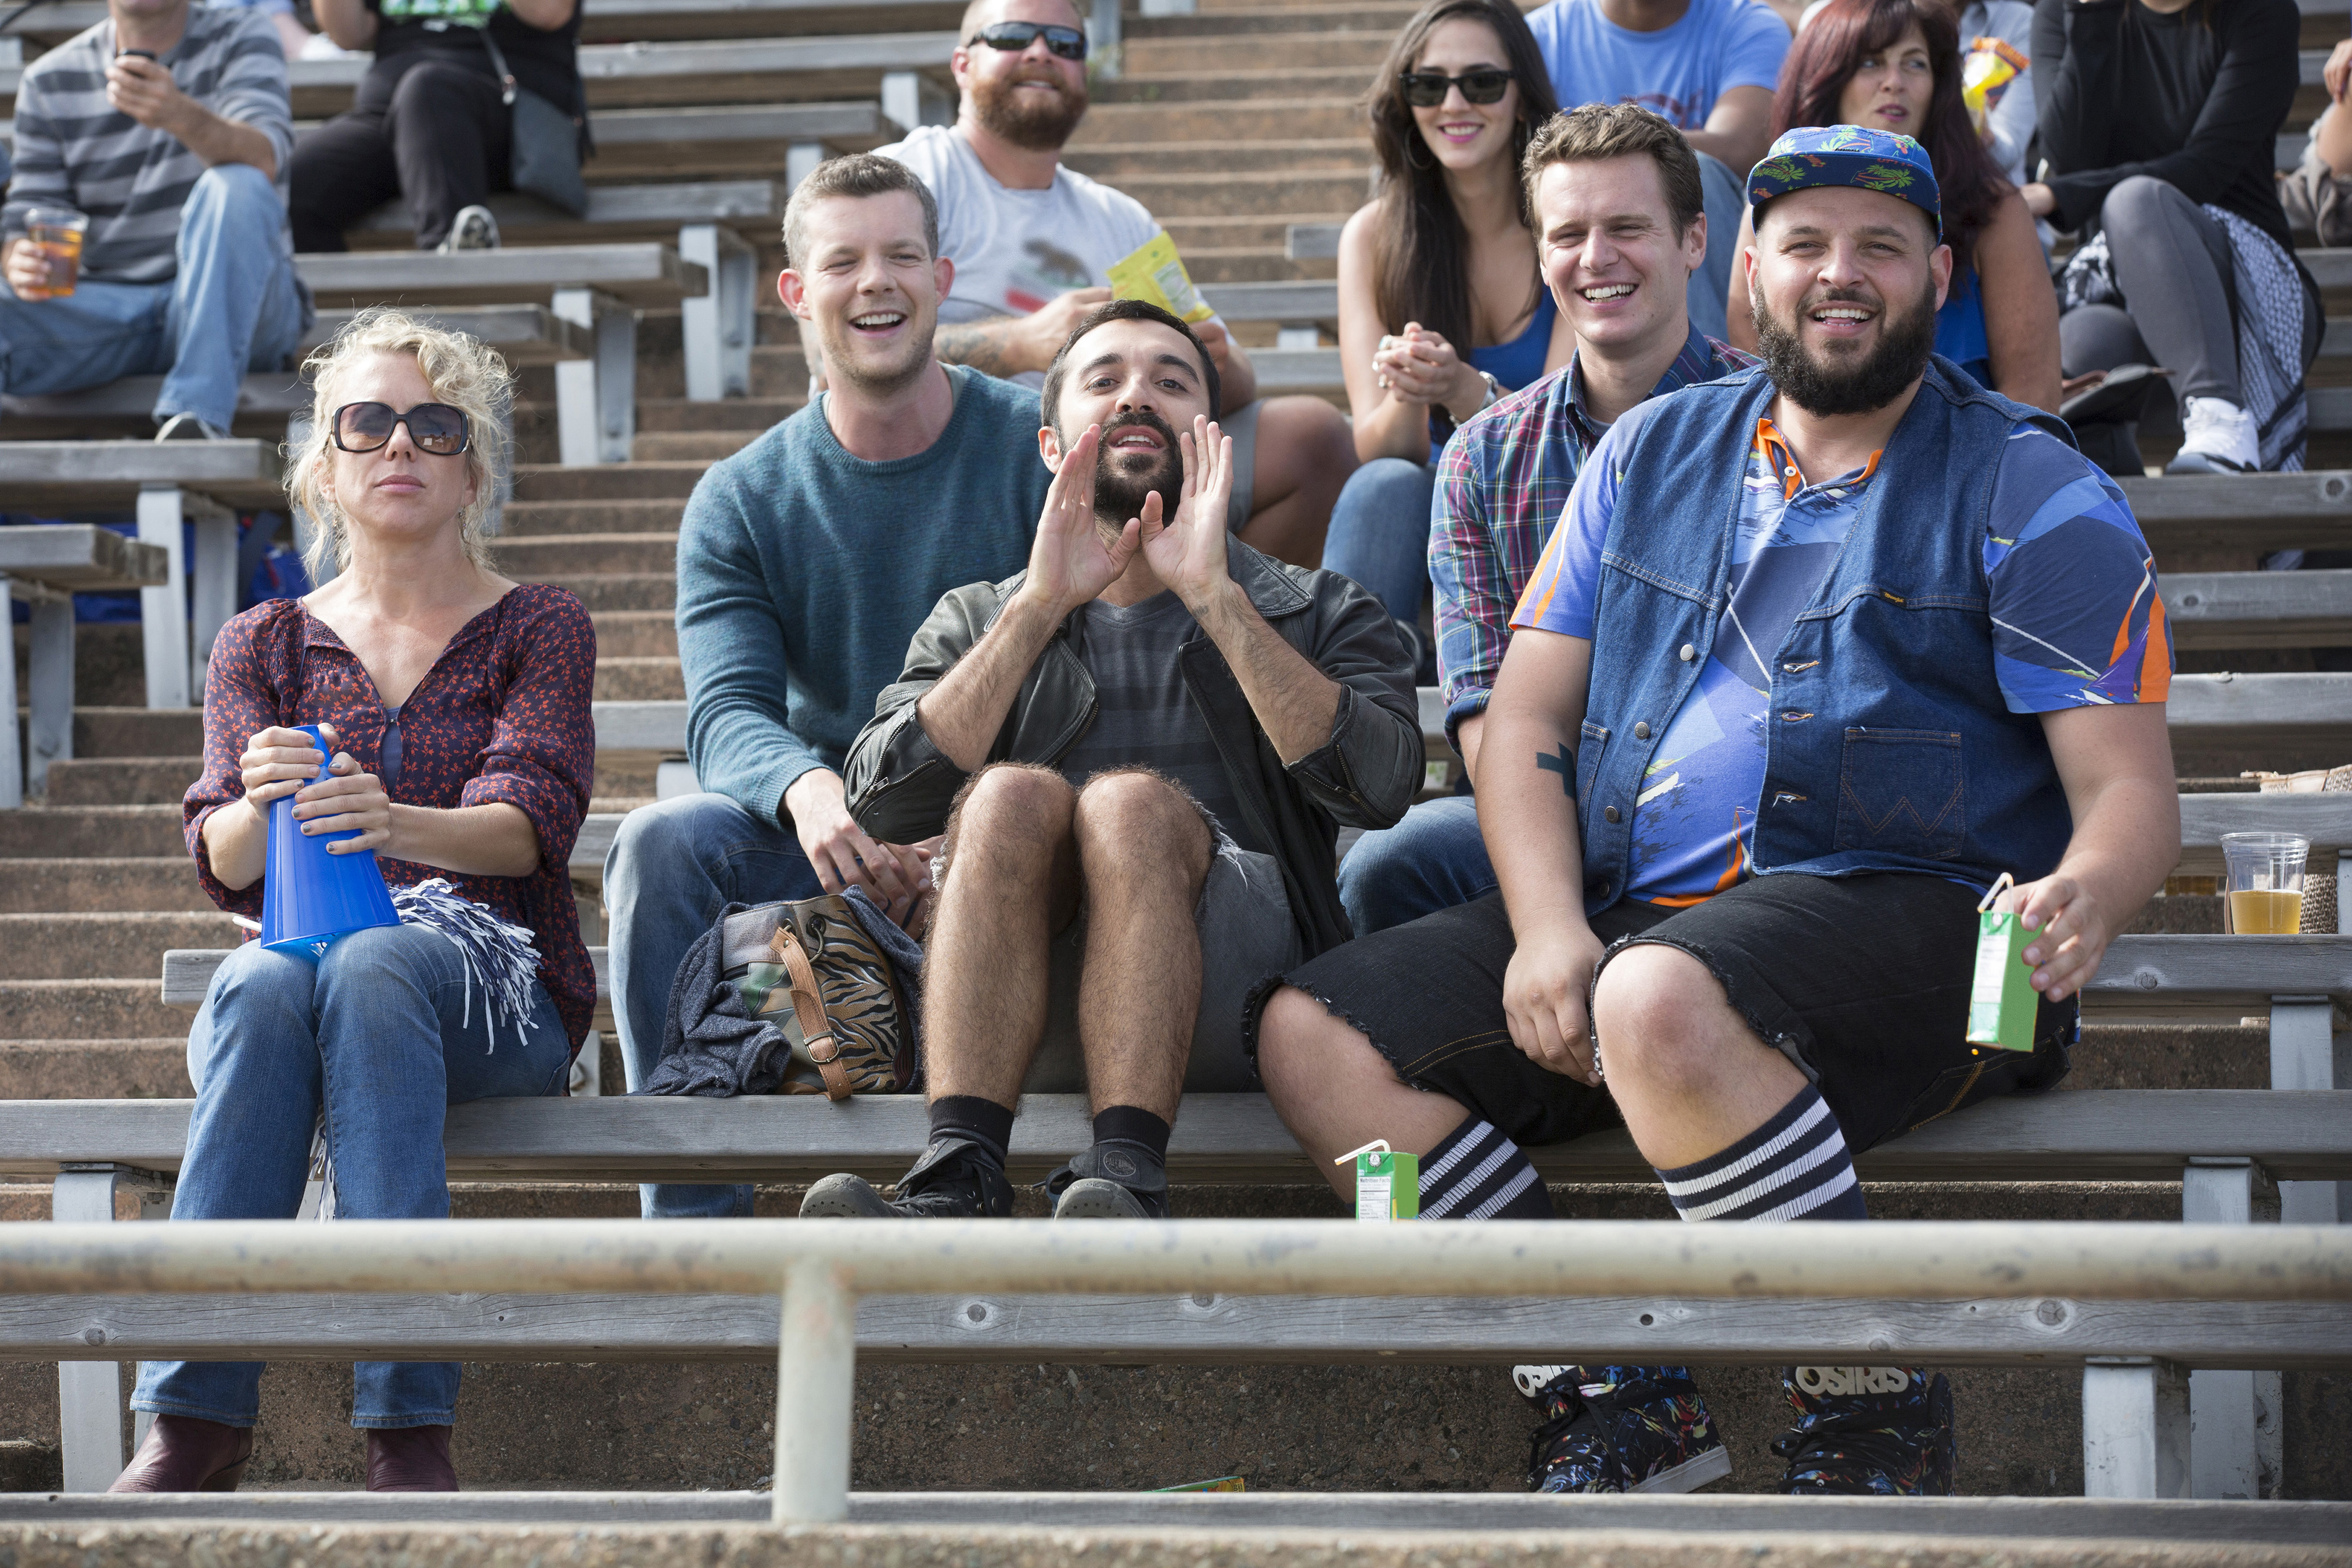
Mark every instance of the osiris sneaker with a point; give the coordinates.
(1620, 1429)
(1884, 1431)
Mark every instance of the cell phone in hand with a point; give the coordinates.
(135, 54)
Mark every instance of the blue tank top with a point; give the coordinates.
(1961, 329)
(1518, 364)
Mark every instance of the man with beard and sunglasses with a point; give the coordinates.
(1141, 750)
(1817, 655)
(1033, 242)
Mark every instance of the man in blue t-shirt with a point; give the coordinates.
(1708, 66)
(1818, 661)
(806, 563)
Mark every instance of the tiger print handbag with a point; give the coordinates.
(808, 967)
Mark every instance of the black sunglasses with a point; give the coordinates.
(1426, 89)
(1068, 42)
(436, 427)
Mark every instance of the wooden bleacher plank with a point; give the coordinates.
(1287, 302)
(524, 334)
(637, 274)
(2215, 712)
(2259, 609)
(653, 208)
(785, 122)
(80, 558)
(262, 393)
(67, 476)
(54, 21)
(2090, 1135)
(1183, 1329)
(2242, 511)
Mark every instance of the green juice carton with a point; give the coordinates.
(2002, 1002)
(1388, 1183)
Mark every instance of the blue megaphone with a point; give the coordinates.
(308, 898)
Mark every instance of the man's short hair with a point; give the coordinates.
(1049, 402)
(1593, 131)
(858, 174)
(974, 12)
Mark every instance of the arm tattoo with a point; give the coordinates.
(1564, 765)
(975, 345)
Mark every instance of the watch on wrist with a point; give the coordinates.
(1494, 390)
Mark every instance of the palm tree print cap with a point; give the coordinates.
(1847, 155)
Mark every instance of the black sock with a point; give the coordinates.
(983, 1121)
(1476, 1172)
(1133, 1128)
(1795, 1166)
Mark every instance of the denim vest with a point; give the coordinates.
(1888, 747)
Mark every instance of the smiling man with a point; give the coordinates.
(805, 564)
(1618, 230)
(1786, 618)
(1141, 750)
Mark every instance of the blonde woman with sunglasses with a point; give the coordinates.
(463, 753)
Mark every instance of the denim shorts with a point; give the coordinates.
(1863, 982)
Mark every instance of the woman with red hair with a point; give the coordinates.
(1895, 65)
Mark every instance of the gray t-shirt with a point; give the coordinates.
(1144, 717)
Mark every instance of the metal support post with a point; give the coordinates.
(52, 684)
(2234, 1417)
(801, 159)
(718, 326)
(2303, 1055)
(214, 573)
(90, 1393)
(2135, 1428)
(1104, 35)
(12, 758)
(164, 610)
(596, 399)
(910, 98)
(816, 1367)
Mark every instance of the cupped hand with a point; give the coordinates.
(1545, 992)
(2071, 932)
(1069, 564)
(276, 762)
(347, 800)
(1188, 552)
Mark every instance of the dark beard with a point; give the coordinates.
(1118, 493)
(1035, 127)
(1826, 390)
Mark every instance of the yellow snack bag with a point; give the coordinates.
(1155, 272)
(1990, 65)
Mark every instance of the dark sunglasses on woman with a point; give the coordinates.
(434, 428)
(1068, 42)
(1426, 89)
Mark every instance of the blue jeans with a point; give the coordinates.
(1380, 536)
(1727, 201)
(234, 306)
(1432, 860)
(384, 1031)
(673, 866)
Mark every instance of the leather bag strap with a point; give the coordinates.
(808, 1007)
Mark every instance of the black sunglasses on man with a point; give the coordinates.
(1068, 42)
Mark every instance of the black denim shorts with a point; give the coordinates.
(1863, 982)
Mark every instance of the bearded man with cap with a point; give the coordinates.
(1815, 656)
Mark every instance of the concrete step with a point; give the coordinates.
(116, 946)
(747, 414)
(138, 731)
(154, 1069)
(538, 559)
(92, 830)
(612, 482)
(1234, 19)
(565, 519)
(1319, 117)
(1223, 86)
(86, 1009)
(1119, 163)
(1319, 50)
(639, 680)
(708, 445)
(127, 780)
(636, 634)
(47, 886)
(618, 590)
(1251, 192)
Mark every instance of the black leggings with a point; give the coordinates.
(2172, 262)
(435, 132)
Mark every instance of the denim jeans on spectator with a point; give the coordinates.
(1432, 860)
(672, 867)
(1379, 537)
(232, 307)
(388, 1030)
(1726, 202)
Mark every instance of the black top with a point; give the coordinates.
(2122, 90)
(544, 62)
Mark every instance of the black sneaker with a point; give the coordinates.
(1620, 1429)
(955, 1179)
(1108, 1183)
(1865, 1431)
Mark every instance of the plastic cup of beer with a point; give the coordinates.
(58, 231)
(2263, 878)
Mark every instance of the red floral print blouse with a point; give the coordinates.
(503, 715)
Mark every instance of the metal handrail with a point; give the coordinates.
(821, 1269)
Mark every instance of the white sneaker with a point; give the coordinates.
(474, 228)
(2217, 437)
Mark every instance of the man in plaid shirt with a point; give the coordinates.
(1618, 199)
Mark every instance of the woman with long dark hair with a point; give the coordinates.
(1442, 307)
(1895, 65)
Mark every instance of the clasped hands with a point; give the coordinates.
(1418, 366)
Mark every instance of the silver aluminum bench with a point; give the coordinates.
(164, 483)
(53, 21)
(49, 565)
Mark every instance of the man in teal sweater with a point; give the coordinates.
(806, 563)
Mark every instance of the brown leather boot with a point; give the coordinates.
(184, 1454)
(410, 1459)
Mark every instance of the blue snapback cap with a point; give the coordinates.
(1854, 155)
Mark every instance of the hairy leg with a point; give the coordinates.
(1305, 453)
(1688, 1074)
(1143, 853)
(1011, 883)
(1335, 1092)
